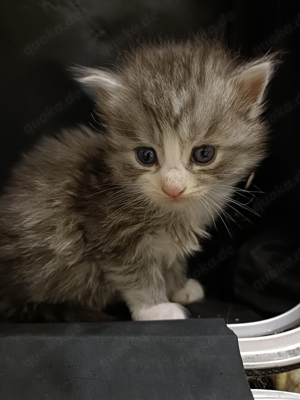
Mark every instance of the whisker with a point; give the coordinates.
(125, 206)
(223, 211)
(210, 213)
(222, 220)
(243, 206)
(240, 204)
(96, 129)
(102, 191)
(228, 200)
(238, 189)
(97, 122)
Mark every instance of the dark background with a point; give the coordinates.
(259, 266)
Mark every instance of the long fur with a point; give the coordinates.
(83, 221)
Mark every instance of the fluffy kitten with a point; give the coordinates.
(89, 217)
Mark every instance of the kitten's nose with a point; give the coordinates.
(173, 183)
(173, 191)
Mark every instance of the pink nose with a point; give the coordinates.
(173, 191)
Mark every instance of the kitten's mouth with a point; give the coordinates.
(175, 201)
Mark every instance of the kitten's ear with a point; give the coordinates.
(103, 83)
(252, 83)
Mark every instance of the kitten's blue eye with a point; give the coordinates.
(146, 155)
(203, 154)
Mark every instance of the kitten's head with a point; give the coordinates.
(183, 121)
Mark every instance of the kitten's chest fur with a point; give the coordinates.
(165, 248)
(177, 239)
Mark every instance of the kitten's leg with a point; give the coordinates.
(144, 291)
(193, 291)
(179, 288)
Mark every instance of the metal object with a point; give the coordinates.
(288, 320)
(265, 347)
(272, 394)
(271, 352)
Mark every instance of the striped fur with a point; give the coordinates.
(83, 221)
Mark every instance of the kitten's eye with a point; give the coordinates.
(146, 155)
(203, 154)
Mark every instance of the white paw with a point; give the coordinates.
(160, 312)
(192, 291)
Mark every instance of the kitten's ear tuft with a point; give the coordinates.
(100, 81)
(252, 83)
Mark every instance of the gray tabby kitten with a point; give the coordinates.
(88, 218)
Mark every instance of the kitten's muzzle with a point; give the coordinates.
(173, 192)
(173, 183)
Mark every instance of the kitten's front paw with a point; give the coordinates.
(192, 291)
(160, 312)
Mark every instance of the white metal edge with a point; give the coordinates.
(271, 351)
(288, 320)
(272, 394)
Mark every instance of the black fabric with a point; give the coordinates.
(268, 274)
(172, 360)
(271, 253)
(232, 313)
(40, 40)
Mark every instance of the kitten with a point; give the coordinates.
(88, 218)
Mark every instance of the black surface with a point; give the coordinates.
(175, 360)
(266, 266)
(232, 313)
